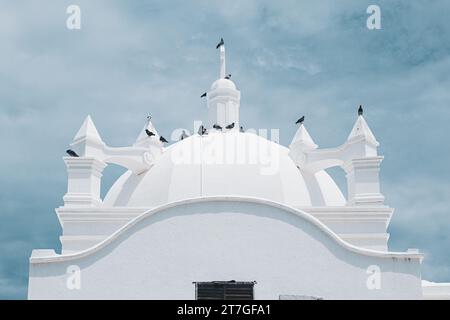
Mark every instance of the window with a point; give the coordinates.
(224, 290)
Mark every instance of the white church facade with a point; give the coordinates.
(226, 214)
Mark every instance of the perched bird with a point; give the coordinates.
(221, 43)
(202, 130)
(163, 140)
(228, 76)
(184, 135)
(241, 129)
(301, 120)
(149, 117)
(72, 153)
(203, 95)
(360, 111)
(217, 127)
(230, 126)
(149, 133)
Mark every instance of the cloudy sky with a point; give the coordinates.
(287, 57)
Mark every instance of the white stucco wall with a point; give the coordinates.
(160, 254)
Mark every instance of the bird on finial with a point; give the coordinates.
(301, 120)
(221, 43)
(228, 77)
(149, 117)
(360, 111)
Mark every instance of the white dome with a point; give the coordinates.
(223, 83)
(221, 164)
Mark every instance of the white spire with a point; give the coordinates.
(143, 136)
(361, 130)
(222, 62)
(302, 137)
(88, 131)
(223, 99)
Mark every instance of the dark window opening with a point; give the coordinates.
(224, 290)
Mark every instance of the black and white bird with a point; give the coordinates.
(230, 126)
(217, 127)
(149, 133)
(203, 95)
(241, 129)
(184, 135)
(360, 111)
(228, 77)
(301, 120)
(202, 130)
(72, 153)
(221, 43)
(163, 140)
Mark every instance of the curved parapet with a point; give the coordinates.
(285, 250)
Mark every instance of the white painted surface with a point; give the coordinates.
(287, 252)
(84, 227)
(357, 156)
(225, 206)
(220, 164)
(83, 181)
(361, 130)
(223, 101)
(435, 291)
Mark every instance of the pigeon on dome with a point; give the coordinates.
(202, 130)
(184, 135)
(230, 126)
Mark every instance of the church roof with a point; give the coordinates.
(223, 83)
(221, 164)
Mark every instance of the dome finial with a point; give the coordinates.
(221, 46)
